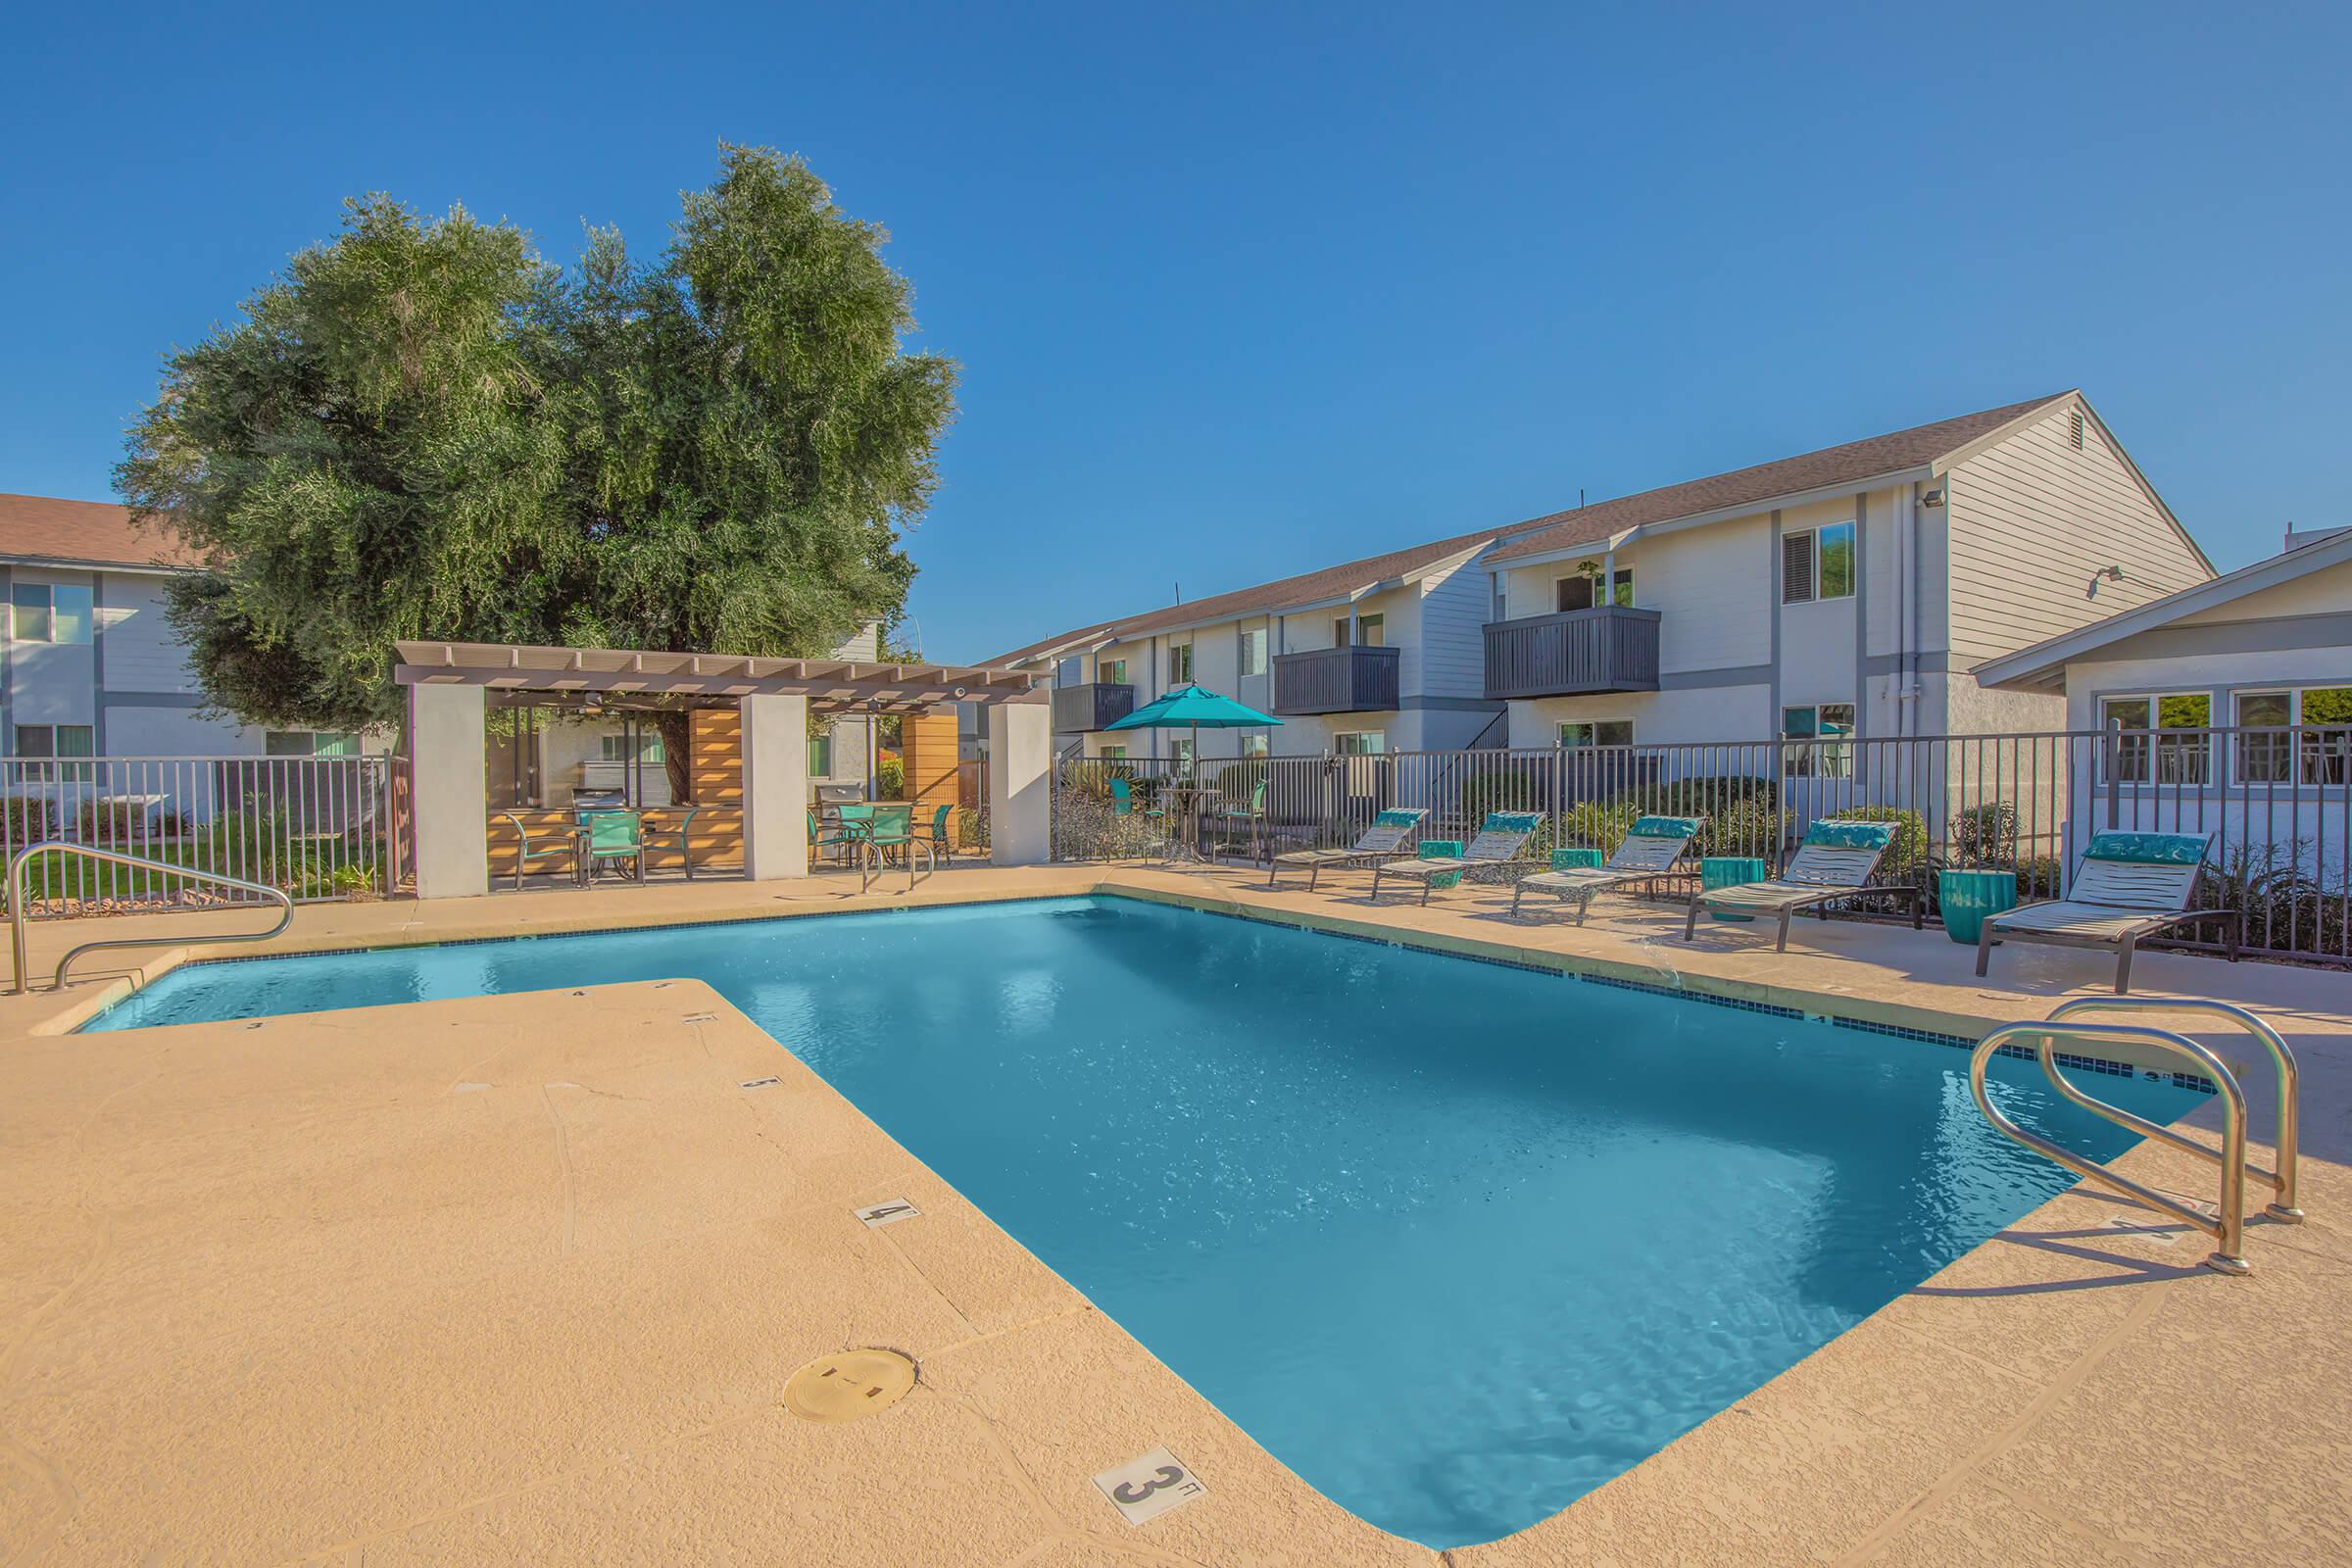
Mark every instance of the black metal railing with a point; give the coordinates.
(1084, 710)
(1337, 680)
(1607, 649)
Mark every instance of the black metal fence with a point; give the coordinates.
(2274, 801)
(318, 827)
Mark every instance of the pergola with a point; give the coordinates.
(451, 686)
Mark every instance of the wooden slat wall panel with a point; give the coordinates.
(716, 842)
(927, 744)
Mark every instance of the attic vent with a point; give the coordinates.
(2074, 428)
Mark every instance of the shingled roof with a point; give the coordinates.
(1853, 463)
(1326, 586)
(91, 533)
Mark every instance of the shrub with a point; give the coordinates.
(890, 779)
(1503, 788)
(1986, 835)
(28, 819)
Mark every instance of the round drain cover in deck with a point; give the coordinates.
(845, 1386)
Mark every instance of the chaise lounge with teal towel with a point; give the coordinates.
(2130, 885)
(1500, 840)
(1650, 850)
(1382, 840)
(1836, 862)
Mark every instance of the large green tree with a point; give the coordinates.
(423, 431)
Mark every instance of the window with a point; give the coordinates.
(310, 743)
(1253, 651)
(1254, 743)
(1180, 664)
(1115, 672)
(820, 757)
(1581, 589)
(2178, 759)
(1184, 755)
(2324, 745)
(615, 748)
(1818, 564)
(46, 614)
(1113, 754)
(56, 740)
(1822, 722)
(1597, 732)
(1372, 631)
(1360, 743)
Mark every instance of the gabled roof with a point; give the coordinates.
(2042, 666)
(1330, 585)
(1856, 465)
(92, 533)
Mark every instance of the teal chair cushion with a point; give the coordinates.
(1844, 835)
(2148, 849)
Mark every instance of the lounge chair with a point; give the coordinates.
(1650, 848)
(1381, 841)
(1500, 840)
(1834, 864)
(2130, 886)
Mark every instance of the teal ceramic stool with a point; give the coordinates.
(1968, 896)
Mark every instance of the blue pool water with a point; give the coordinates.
(1457, 1241)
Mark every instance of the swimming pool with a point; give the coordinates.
(1457, 1241)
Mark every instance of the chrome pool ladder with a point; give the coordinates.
(2227, 1225)
(164, 868)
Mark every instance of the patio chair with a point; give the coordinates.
(1836, 862)
(826, 835)
(891, 834)
(935, 832)
(658, 835)
(1651, 847)
(1380, 842)
(1124, 804)
(1500, 840)
(1253, 816)
(2130, 885)
(564, 842)
(611, 838)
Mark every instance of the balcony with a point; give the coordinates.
(1607, 649)
(1084, 710)
(1336, 680)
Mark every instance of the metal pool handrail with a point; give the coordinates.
(2229, 1230)
(2283, 1062)
(16, 905)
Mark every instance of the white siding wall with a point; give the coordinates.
(142, 652)
(1659, 718)
(2034, 522)
(1448, 655)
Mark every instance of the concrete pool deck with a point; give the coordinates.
(521, 1279)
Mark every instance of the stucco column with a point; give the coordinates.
(449, 797)
(1020, 783)
(775, 787)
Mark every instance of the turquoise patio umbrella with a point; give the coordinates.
(1198, 709)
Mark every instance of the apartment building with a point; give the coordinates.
(1847, 591)
(1370, 655)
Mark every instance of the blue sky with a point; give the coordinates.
(1244, 290)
